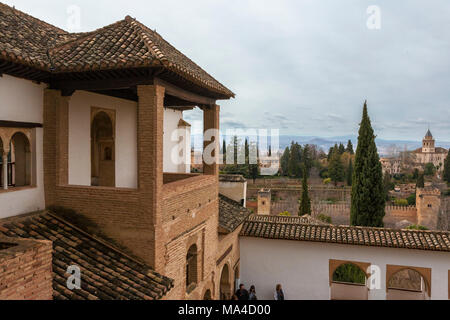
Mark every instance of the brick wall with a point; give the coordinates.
(158, 220)
(25, 269)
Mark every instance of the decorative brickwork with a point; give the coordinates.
(25, 269)
(424, 272)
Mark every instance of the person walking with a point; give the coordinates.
(279, 294)
(252, 293)
(242, 293)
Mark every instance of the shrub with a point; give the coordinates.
(324, 218)
(411, 200)
(327, 181)
(285, 214)
(349, 273)
(416, 227)
(401, 202)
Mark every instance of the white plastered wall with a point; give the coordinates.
(80, 138)
(177, 143)
(22, 101)
(303, 267)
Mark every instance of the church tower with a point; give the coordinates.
(428, 143)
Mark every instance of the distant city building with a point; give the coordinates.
(429, 153)
(391, 165)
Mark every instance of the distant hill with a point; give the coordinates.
(385, 147)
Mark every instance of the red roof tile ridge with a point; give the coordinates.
(153, 48)
(160, 55)
(83, 36)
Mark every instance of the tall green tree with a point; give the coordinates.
(294, 166)
(350, 173)
(368, 197)
(247, 152)
(350, 147)
(341, 148)
(387, 184)
(421, 181)
(224, 151)
(284, 162)
(447, 168)
(307, 159)
(305, 202)
(330, 153)
(253, 168)
(336, 168)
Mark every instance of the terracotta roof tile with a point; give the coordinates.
(107, 274)
(231, 214)
(124, 44)
(298, 228)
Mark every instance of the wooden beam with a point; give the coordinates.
(16, 124)
(100, 84)
(182, 94)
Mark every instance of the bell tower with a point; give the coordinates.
(428, 143)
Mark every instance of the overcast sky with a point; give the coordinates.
(304, 67)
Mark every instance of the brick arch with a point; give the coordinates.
(208, 287)
(334, 264)
(226, 286)
(6, 134)
(424, 272)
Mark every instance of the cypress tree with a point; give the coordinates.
(421, 181)
(330, 153)
(447, 168)
(350, 147)
(305, 202)
(336, 168)
(341, 148)
(284, 162)
(294, 161)
(368, 197)
(247, 152)
(224, 151)
(350, 173)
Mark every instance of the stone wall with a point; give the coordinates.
(25, 269)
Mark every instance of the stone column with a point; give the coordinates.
(150, 132)
(211, 121)
(5, 168)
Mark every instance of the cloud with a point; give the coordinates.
(305, 67)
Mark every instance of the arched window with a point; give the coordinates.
(407, 284)
(191, 268)
(20, 161)
(349, 283)
(102, 151)
(207, 295)
(225, 285)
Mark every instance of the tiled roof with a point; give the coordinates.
(25, 39)
(306, 219)
(231, 214)
(124, 44)
(106, 273)
(271, 227)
